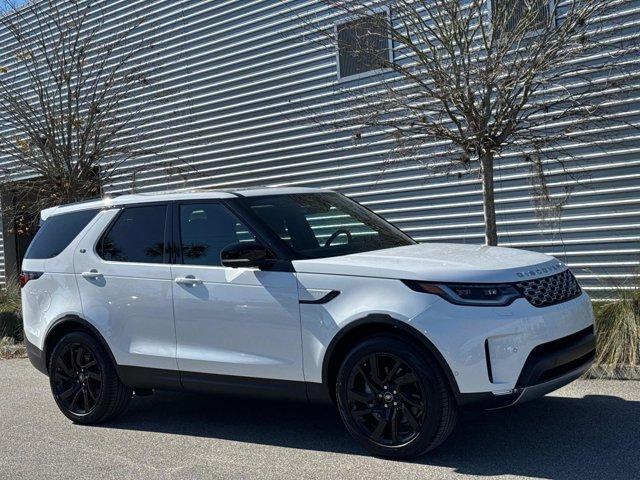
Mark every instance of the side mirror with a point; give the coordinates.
(244, 255)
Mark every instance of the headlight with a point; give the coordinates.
(481, 295)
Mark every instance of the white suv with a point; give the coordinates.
(299, 293)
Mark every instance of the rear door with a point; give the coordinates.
(230, 321)
(124, 278)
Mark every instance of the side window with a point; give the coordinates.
(205, 229)
(136, 236)
(57, 232)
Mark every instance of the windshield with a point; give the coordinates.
(320, 225)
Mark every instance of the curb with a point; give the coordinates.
(614, 372)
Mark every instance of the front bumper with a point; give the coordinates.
(549, 367)
(501, 351)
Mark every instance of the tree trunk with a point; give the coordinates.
(488, 200)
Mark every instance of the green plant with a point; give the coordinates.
(10, 311)
(618, 324)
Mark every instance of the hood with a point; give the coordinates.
(439, 262)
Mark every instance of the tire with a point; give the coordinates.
(84, 381)
(404, 415)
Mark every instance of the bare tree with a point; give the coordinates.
(479, 77)
(66, 85)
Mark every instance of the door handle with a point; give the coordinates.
(91, 274)
(188, 280)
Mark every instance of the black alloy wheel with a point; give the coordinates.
(394, 398)
(84, 380)
(386, 399)
(77, 379)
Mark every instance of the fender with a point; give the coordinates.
(387, 320)
(75, 319)
(134, 377)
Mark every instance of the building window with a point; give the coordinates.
(509, 13)
(364, 45)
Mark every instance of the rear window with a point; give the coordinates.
(57, 232)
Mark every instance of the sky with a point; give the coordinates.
(4, 4)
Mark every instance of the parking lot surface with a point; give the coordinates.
(590, 429)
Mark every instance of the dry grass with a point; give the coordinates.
(10, 349)
(10, 311)
(11, 333)
(618, 324)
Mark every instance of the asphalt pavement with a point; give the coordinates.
(587, 430)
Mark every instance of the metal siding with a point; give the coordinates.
(240, 90)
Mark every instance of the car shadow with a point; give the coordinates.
(597, 436)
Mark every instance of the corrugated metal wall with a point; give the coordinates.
(239, 86)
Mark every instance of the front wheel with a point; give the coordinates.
(84, 381)
(393, 399)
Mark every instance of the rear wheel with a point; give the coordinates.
(84, 381)
(393, 399)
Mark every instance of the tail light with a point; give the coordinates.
(24, 277)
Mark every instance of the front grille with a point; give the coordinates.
(543, 292)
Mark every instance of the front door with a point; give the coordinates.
(230, 321)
